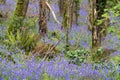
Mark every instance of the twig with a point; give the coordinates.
(50, 50)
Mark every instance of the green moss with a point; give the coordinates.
(2, 1)
(19, 8)
(17, 19)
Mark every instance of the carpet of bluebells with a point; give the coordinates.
(59, 68)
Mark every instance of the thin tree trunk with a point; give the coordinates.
(96, 11)
(95, 28)
(42, 18)
(67, 19)
(74, 9)
(61, 6)
(26, 2)
(75, 15)
(92, 22)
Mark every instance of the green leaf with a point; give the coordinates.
(111, 29)
(11, 38)
(18, 36)
(46, 76)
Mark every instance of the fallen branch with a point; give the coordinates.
(53, 13)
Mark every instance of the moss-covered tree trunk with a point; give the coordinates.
(42, 18)
(96, 11)
(67, 19)
(18, 16)
(19, 8)
(92, 22)
(2, 1)
(76, 7)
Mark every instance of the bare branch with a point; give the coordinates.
(53, 13)
(51, 49)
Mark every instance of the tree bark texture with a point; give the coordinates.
(19, 15)
(67, 19)
(75, 15)
(96, 10)
(42, 18)
(74, 9)
(26, 3)
(2, 2)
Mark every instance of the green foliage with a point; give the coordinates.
(111, 29)
(4, 54)
(116, 59)
(118, 76)
(2, 34)
(46, 76)
(100, 22)
(115, 9)
(19, 8)
(31, 23)
(78, 1)
(102, 55)
(112, 11)
(15, 24)
(78, 56)
(23, 40)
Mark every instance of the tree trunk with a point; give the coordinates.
(67, 19)
(19, 15)
(92, 25)
(74, 9)
(75, 15)
(96, 11)
(19, 8)
(42, 18)
(61, 6)
(2, 2)
(26, 2)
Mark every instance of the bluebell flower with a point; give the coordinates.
(83, 13)
(72, 42)
(0, 59)
(67, 77)
(1, 78)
